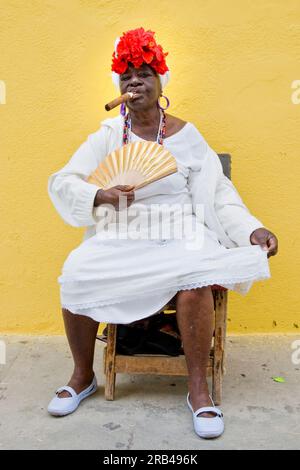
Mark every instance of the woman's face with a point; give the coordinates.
(145, 83)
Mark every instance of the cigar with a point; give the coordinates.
(121, 99)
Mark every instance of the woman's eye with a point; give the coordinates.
(141, 74)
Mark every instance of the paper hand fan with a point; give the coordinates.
(137, 163)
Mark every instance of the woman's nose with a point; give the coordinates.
(135, 80)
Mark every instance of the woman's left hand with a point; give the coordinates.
(266, 239)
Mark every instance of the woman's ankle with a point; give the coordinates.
(198, 383)
(83, 375)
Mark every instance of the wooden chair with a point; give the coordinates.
(169, 365)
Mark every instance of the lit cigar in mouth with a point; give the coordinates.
(121, 99)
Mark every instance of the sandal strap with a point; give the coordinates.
(68, 389)
(213, 403)
(209, 409)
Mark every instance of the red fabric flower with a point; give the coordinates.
(138, 46)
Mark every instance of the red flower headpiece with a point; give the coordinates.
(138, 46)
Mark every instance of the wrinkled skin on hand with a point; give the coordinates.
(266, 239)
(112, 195)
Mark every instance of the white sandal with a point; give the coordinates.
(65, 405)
(207, 427)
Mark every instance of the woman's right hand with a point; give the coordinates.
(111, 196)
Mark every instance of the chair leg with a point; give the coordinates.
(219, 345)
(110, 373)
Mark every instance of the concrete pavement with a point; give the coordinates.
(149, 412)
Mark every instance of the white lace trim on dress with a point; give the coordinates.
(227, 283)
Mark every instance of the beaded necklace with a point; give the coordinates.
(161, 130)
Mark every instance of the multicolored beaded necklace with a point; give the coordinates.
(161, 130)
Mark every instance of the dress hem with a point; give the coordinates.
(229, 284)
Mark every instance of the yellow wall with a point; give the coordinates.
(232, 63)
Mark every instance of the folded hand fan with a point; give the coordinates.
(137, 163)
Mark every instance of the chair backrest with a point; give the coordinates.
(225, 159)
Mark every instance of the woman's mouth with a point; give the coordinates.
(136, 95)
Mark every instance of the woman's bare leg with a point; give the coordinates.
(194, 313)
(81, 333)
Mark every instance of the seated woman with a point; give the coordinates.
(122, 280)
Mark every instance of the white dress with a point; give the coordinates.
(123, 280)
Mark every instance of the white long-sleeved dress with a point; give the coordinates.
(121, 279)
